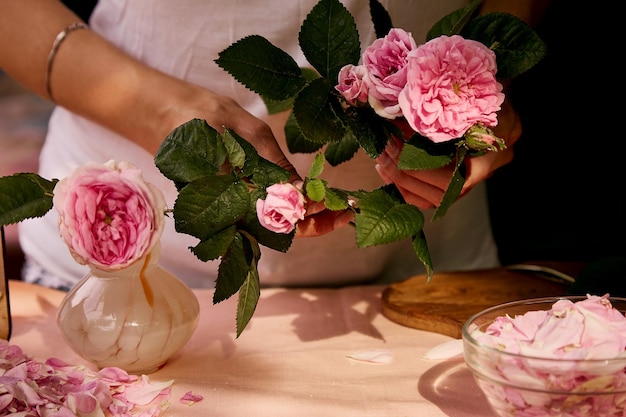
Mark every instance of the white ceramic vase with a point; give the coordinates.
(135, 318)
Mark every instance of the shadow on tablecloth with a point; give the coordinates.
(451, 387)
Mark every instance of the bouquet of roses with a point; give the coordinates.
(233, 201)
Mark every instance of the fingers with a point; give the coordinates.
(423, 188)
(323, 222)
(482, 167)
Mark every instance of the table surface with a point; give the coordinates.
(291, 360)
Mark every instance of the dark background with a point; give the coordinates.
(562, 197)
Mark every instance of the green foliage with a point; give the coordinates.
(249, 294)
(420, 246)
(262, 67)
(220, 177)
(191, 151)
(453, 23)
(384, 218)
(321, 122)
(421, 153)
(342, 151)
(24, 196)
(296, 142)
(209, 204)
(315, 111)
(216, 245)
(317, 166)
(336, 199)
(329, 38)
(453, 191)
(517, 47)
(380, 18)
(316, 189)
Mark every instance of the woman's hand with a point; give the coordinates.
(425, 188)
(319, 220)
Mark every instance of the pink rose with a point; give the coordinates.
(451, 86)
(385, 60)
(108, 215)
(351, 84)
(281, 209)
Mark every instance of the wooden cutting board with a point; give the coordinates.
(449, 299)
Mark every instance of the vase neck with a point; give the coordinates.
(142, 266)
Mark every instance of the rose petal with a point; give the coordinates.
(145, 392)
(378, 356)
(190, 398)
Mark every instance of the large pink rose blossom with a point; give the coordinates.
(451, 86)
(385, 60)
(282, 208)
(108, 215)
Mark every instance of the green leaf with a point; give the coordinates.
(249, 295)
(453, 23)
(371, 131)
(517, 47)
(296, 142)
(193, 150)
(315, 111)
(420, 246)
(329, 38)
(236, 144)
(317, 166)
(274, 107)
(454, 186)
(315, 189)
(235, 152)
(421, 153)
(336, 199)
(214, 246)
(267, 173)
(339, 152)
(24, 196)
(383, 219)
(209, 205)
(262, 68)
(234, 268)
(380, 19)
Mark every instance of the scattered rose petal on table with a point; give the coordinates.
(452, 349)
(145, 392)
(190, 398)
(55, 388)
(378, 356)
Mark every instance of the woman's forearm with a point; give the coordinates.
(88, 75)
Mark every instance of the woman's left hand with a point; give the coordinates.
(425, 188)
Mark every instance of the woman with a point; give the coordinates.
(143, 68)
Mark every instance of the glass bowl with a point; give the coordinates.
(522, 385)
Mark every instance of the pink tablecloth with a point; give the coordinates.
(290, 361)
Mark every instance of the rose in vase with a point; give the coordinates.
(109, 217)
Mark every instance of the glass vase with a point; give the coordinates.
(135, 318)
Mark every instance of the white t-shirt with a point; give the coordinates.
(183, 38)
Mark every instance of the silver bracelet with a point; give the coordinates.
(55, 47)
